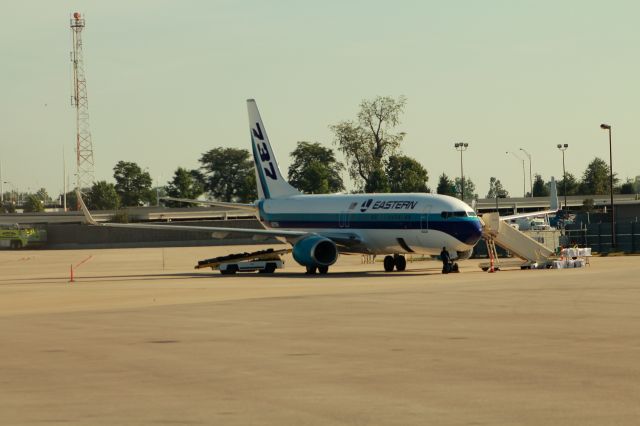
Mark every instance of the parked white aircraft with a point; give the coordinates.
(319, 227)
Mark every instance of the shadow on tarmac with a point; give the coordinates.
(216, 275)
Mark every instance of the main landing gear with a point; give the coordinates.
(311, 270)
(396, 261)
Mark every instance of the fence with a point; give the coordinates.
(598, 237)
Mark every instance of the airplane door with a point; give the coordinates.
(424, 219)
(343, 221)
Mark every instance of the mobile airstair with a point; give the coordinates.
(498, 232)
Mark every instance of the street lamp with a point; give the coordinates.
(12, 190)
(530, 180)
(563, 148)
(461, 146)
(613, 215)
(158, 190)
(524, 179)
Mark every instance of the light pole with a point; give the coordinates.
(461, 146)
(12, 189)
(563, 148)
(613, 215)
(10, 194)
(530, 180)
(524, 178)
(158, 190)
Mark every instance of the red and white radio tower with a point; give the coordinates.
(84, 147)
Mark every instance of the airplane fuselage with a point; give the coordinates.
(385, 223)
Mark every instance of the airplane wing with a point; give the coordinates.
(553, 204)
(528, 214)
(346, 240)
(241, 206)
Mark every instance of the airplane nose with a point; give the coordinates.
(474, 232)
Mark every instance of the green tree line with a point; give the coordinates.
(371, 146)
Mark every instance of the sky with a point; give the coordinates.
(167, 81)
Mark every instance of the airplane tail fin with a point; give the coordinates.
(553, 195)
(271, 183)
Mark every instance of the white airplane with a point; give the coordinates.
(319, 227)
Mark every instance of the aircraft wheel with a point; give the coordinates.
(389, 263)
(311, 270)
(270, 268)
(323, 269)
(455, 268)
(400, 263)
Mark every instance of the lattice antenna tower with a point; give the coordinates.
(84, 147)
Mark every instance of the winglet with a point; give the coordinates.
(87, 216)
(553, 196)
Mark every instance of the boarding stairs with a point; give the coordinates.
(498, 232)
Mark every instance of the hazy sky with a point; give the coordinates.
(167, 81)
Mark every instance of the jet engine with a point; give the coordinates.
(314, 251)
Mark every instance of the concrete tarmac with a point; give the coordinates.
(142, 338)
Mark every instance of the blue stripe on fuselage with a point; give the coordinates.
(465, 229)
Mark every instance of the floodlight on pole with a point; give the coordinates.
(607, 127)
(530, 175)
(524, 178)
(461, 146)
(563, 148)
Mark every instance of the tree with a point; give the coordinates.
(315, 169)
(573, 186)
(377, 182)
(628, 187)
(8, 207)
(588, 205)
(369, 141)
(496, 190)
(406, 175)
(33, 203)
(229, 174)
(446, 186)
(469, 188)
(102, 196)
(595, 179)
(132, 184)
(540, 188)
(185, 184)
(72, 200)
(42, 194)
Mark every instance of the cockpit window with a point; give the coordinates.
(446, 215)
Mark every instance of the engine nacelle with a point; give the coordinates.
(462, 255)
(314, 251)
